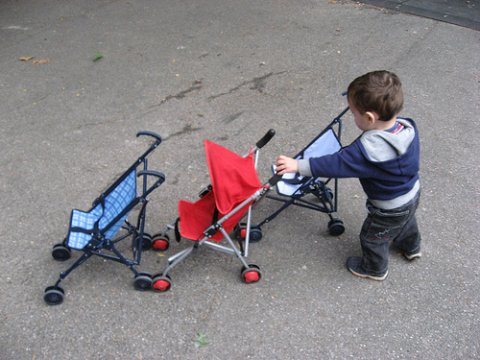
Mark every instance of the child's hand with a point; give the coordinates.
(286, 165)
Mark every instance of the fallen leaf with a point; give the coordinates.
(25, 58)
(40, 61)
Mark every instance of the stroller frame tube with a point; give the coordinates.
(178, 258)
(232, 250)
(219, 247)
(210, 231)
(329, 207)
(249, 213)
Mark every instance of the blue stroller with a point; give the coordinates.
(316, 194)
(94, 232)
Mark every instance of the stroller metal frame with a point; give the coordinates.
(325, 198)
(250, 272)
(94, 231)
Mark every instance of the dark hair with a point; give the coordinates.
(377, 91)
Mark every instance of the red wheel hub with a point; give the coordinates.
(160, 244)
(243, 233)
(161, 285)
(251, 276)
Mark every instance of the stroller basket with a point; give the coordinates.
(97, 231)
(209, 220)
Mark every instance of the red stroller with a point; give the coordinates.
(209, 220)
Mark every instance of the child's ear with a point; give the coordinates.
(371, 117)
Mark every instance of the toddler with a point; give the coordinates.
(385, 158)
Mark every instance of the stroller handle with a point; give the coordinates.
(274, 179)
(265, 139)
(150, 133)
(159, 175)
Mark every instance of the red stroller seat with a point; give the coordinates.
(234, 179)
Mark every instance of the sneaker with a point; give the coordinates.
(354, 265)
(413, 256)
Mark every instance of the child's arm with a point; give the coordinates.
(349, 162)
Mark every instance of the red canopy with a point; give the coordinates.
(234, 179)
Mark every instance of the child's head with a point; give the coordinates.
(377, 91)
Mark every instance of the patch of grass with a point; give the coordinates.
(98, 56)
(200, 340)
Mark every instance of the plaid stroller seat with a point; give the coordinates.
(94, 232)
(209, 220)
(316, 194)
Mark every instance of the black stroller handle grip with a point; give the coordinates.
(150, 133)
(159, 175)
(275, 179)
(266, 138)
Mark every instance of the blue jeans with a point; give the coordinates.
(384, 226)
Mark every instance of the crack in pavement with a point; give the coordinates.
(258, 84)
(197, 85)
(232, 118)
(186, 130)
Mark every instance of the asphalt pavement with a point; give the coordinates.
(78, 80)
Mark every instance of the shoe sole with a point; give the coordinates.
(413, 256)
(366, 276)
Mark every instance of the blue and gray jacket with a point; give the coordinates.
(385, 161)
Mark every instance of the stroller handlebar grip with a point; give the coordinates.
(159, 175)
(275, 179)
(265, 139)
(150, 133)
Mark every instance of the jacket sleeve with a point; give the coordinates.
(349, 162)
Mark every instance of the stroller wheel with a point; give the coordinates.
(336, 227)
(146, 241)
(251, 274)
(143, 281)
(160, 242)
(161, 283)
(255, 233)
(54, 295)
(60, 252)
(328, 193)
(237, 231)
